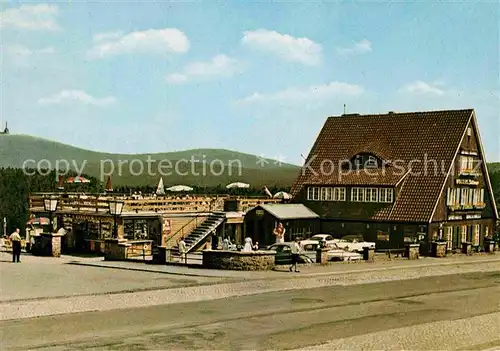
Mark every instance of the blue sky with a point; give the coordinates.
(253, 77)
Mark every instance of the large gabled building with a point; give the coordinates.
(397, 178)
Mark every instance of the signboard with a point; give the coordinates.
(381, 236)
(467, 182)
(471, 153)
(455, 218)
(473, 216)
(167, 226)
(259, 213)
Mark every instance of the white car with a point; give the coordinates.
(316, 239)
(353, 243)
(334, 254)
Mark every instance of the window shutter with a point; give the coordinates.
(448, 197)
(482, 196)
(464, 233)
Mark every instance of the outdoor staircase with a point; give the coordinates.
(201, 232)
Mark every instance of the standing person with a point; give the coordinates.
(182, 250)
(295, 254)
(279, 232)
(215, 241)
(15, 238)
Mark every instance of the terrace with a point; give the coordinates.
(98, 204)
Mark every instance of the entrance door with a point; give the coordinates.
(79, 237)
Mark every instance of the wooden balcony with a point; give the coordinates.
(98, 204)
(469, 207)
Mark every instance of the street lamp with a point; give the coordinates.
(115, 209)
(50, 205)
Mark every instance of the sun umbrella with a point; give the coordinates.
(238, 185)
(39, 221)
(180, 188)
(160, 189)
(77, 179)
(109, 185)
(282, 195)
(60, 183)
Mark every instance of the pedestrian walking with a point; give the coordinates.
(15, 239)
(295, 254)
(182, 250)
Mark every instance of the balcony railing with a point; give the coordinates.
(98, 204)
(478, 206)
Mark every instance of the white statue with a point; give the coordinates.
(248, 245)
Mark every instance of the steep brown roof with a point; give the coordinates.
(406, 141)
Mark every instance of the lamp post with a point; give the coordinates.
(115, 209)
(50, 205)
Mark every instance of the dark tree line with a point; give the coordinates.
(17, 184)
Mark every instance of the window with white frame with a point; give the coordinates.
(466, 163)
(323, 192)
(355, 195)
(340, 194)
(310, 193)
(315, 193)
(372, 195)
(326, 193)
(463, 233)
(475, 235)
(449, 237)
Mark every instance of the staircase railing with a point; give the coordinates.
(181, 229)
(195, 243)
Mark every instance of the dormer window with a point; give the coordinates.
(364, 161)
(372, 162)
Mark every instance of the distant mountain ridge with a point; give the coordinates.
(202, 167)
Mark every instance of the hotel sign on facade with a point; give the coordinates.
(460, 217)
(467, 182)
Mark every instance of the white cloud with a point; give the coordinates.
(420, 87)
(31, 17)
(99, 37)
(67, 96)
(311, 93)
(218, 66)
(151, 41)
(23, 52)
(284, 46)
(362, 47)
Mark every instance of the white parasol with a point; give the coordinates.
(282, 195)
(238, 185)
(180, 188)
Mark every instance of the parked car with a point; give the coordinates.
(317, 238)
(284, 254)
(354, 243)
(334, 254)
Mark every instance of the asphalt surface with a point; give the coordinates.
(460, 311)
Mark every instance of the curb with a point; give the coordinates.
(304, 275)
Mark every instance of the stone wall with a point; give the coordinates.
(238, 260)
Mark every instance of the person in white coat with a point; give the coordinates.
(248, 245)
(183, 250)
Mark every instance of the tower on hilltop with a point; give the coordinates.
(6, 130)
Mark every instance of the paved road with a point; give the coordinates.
(439, 312)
